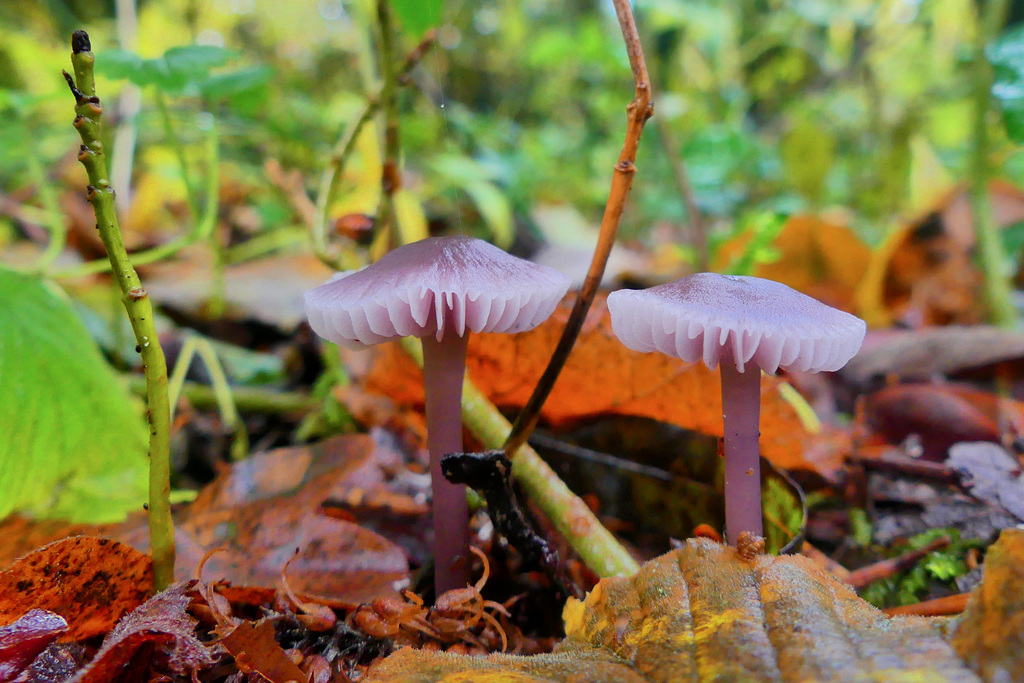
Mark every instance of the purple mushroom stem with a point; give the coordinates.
(741, 413)
(444, 364)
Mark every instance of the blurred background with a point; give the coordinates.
(859, 113)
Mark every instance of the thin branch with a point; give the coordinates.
(391, 176)
(638, 111)
(343, 150)
(136, 302)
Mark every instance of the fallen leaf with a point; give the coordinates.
(91, 582)
(269, 289)
(256, 651)
(994, 475)
(921, 355)
(263, 508)
(703, 613)
(990, 635)
(941, 415)
(161, 632)
(23, 640)
(601, 377)
(818, 256)
(924, 272)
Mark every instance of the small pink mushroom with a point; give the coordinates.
(740, 322)
(439, 289)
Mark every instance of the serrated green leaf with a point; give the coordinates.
(417, 16)
(72, 441)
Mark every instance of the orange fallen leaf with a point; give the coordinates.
(260, 511)
(91, 582)
(601, 377)
(924, 272)
(818, 256)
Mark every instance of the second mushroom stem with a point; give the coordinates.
(444, 365)
(741, 413)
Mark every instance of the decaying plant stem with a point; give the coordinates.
(136, 302)
(638, 111)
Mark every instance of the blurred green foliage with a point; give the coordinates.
(772, 107)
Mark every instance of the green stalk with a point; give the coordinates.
(567, 512)
(136, 302)
(179, 153)
(199, 346)
(991, 254)
(54, 216)
(245, 399)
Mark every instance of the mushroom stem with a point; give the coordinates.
(444, 365)
(741, 414)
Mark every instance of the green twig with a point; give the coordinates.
(202, 227)
(328, 181)
(136, 302)
(196, 345)
(179, 152)
(245, 399)
(54, 216)
(569, 514)
(991, 254)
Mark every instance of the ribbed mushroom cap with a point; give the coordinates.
(752, 320)
(428, 287)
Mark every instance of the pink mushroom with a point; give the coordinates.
(748, 324)
(439, 289)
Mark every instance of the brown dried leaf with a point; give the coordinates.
(924, 273)
(260, 511)
(162, 624)
(920, 355)
(703, 613)
(256, 651)
(91, 582)
(942, 415)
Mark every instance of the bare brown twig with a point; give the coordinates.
(638, 111)
(939, 607)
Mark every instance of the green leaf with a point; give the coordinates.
(1006, 54)
(235, 82)
(72, 442)
(417, 16)
(176, 69)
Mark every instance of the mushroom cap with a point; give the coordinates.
(746, 319)
(434, 286)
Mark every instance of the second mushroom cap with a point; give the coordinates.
(708, 317)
